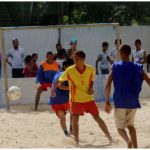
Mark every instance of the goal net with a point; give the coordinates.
(42, 39)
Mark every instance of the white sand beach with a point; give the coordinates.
(24, 128)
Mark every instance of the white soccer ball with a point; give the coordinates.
(14, 93)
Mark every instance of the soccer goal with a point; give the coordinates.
(40, 39)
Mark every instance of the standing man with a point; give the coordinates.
(113, 54)
(17, 55)
(103, 59)
(73, 48)
(60, 52)
(139, 54)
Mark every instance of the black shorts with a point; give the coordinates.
(17, 73)
(104, 71)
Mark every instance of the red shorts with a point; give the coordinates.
(45, 86)
(80, 108)
(60, 107)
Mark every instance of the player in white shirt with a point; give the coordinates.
(139, 54)
(17, 55)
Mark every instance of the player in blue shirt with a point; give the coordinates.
(127, 78)
(59, 99)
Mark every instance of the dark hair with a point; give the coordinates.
(125, 49)
(80, 53)
(49, 53)
(27, 59)
(67, 62)
(137, 41)
(58, 44)
(116, 41)
(105, 44)
(34, 54)
(14, 39)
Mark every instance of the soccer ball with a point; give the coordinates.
(14, 93)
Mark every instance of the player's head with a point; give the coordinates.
(73, 43)
(58, 46)
(67, 63)
(28, 59)
(138, 44)
(15, 43)
(79, 57)
(105, 46)
(34, 57)
(125, 51)
(119, 41)
(49, 56)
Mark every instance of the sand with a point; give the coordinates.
(24, 128)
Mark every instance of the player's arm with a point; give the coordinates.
(145, 58)
(107, 93)
(90, 90)
(59, 83)
(146, 78)
(91, 84)
(96, 64)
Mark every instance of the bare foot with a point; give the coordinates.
(110, 140)
(129, 144)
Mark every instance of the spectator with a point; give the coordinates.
(27, 71)
(73, 48)
(113, 54)
(17, 55)
(139, 54)
(60, 52)
(103, 59)
(34, 64)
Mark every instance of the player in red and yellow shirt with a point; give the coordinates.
(81, 78)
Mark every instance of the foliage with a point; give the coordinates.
(52, 13)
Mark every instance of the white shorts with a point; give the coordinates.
(124, 117)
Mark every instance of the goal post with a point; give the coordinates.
(59, 28)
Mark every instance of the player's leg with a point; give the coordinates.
(123, 134)
(93, 110)
(103, 126)
(37, 98)
(131, 128)
(75, 125)
(120, 120)
(132, 132)
(71, 132)
(61, 116)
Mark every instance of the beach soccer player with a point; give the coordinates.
(59, 99)
(45, 75)
(81, 78)
(127, 78)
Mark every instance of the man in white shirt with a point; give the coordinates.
(103, 59)
(139, 54)
(17, 55)
(113, 54)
